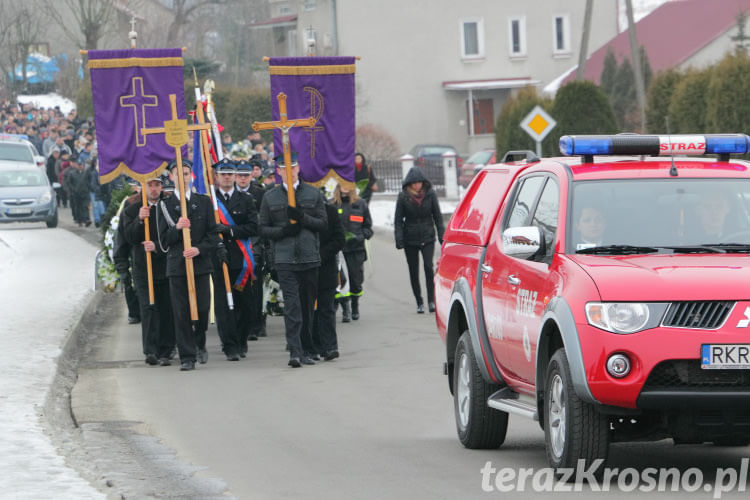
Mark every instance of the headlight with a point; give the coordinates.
(624, 317)
(45, 198)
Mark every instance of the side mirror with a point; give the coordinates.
(56, 185)
(522, 242)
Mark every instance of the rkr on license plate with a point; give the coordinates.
(722, 356)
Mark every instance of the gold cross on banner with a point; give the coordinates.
(285, 125)
(176, 135)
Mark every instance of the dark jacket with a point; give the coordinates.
(300, 251)
(355, 217)
(241, 206)
(202, 233)
(135, 234)
(365, 173)
(331, 243)
(121, 253)
(414, 224)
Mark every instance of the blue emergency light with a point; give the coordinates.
(655, 145)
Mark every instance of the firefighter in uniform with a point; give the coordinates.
(191, 338)
(239, 223)
(157, 330)
(355, 217)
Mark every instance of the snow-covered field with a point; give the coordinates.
(45, 280)
(48, 101)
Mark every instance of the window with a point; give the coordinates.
(545, 216)
(524, 202)
(309, 4)
(472, 38)
(561, 34)
(484, 116)
(517, 36)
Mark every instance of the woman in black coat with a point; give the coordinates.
(417, 216)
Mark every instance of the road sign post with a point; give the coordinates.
(538, 123)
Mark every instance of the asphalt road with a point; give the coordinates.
(376, 423)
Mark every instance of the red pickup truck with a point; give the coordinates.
(604, 294)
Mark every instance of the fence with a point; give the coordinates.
(390, 174)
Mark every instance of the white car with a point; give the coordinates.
(16, 151)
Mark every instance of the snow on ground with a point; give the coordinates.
(45, 282)
(48, 101)
(383, 208)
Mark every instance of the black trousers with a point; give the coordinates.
(412, 259)
(80, 207)
(157, 328)
(324, 320)
(299, 289)
(355, 264)
(131, 296)
(190, 337)
(231, 324)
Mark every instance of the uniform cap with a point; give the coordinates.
(225, 165)
(244, 167)
(280, 160)
(185, 163)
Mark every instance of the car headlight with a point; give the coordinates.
(624, 317)
(45, 198)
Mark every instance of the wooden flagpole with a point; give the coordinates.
(149, 269)
(176, 135)
(284, 125)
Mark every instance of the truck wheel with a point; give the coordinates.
(478, 425)
(573, 429)
(52, 221)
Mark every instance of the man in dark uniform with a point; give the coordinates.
(191, 338)
(293, 232)
(157, 329)
(122, 257)
(239, 222)
(247, 183)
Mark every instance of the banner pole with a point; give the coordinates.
(149, 269)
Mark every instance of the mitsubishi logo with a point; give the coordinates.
(743, 323)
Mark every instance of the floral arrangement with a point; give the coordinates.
(106, 276)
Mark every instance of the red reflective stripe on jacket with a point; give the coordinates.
(356, 218)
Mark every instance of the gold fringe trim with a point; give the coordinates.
(339, 69)
(124, 169)
(332, 174)
(130, 62)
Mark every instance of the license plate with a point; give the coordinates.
(722, 356)
(19, 211)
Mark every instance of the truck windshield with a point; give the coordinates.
(646, 216)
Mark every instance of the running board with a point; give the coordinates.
(512, 402)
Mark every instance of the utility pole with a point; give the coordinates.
(583, 55)
(635, 56)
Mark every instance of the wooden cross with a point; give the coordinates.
(176, 135)
(285, 125)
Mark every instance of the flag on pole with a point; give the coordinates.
(322, 88)
(130, 90)
(200, 183)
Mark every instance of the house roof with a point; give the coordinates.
(275, 22)
(494, 83)
(671, 34)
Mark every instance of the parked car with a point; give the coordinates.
(16, 151)
(474, 164)
(432, 154)
(604, 297)
(27, 196)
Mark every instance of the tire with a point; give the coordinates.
(478, 425)
(573, 429)
(52, 221)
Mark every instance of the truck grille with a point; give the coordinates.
(687, 374)
(704, 315)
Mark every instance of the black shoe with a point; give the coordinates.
(306, 361)
(431, 307)
(173, 353)
(202, 356)
(164, 362)
(294, 362)
(97, 224)
(314, 357)
(252, 337)
(132, 320)
(187, 366)
(420, 308)
(330, 355)
(243, 354)
(355, 316)
(233, 357)
(152, 360)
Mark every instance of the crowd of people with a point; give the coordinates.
(314, 249)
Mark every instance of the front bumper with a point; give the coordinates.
(36, 212)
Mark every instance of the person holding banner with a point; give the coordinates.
(239, 222)
(293, 231)
(157, 329)
(191, 338)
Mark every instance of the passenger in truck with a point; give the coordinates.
(590, 226)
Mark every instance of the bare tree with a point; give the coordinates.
(82, 21)
(20, 30)
(635, 55)
(182, 11)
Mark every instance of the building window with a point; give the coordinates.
(309, 4)
(472, 38)
(484, 116)
(561, 34)
(517, 36)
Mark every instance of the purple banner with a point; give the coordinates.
(322, 88)
(130, 90)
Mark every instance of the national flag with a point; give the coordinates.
(200, 183)
(246, 247)
(130, 90)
